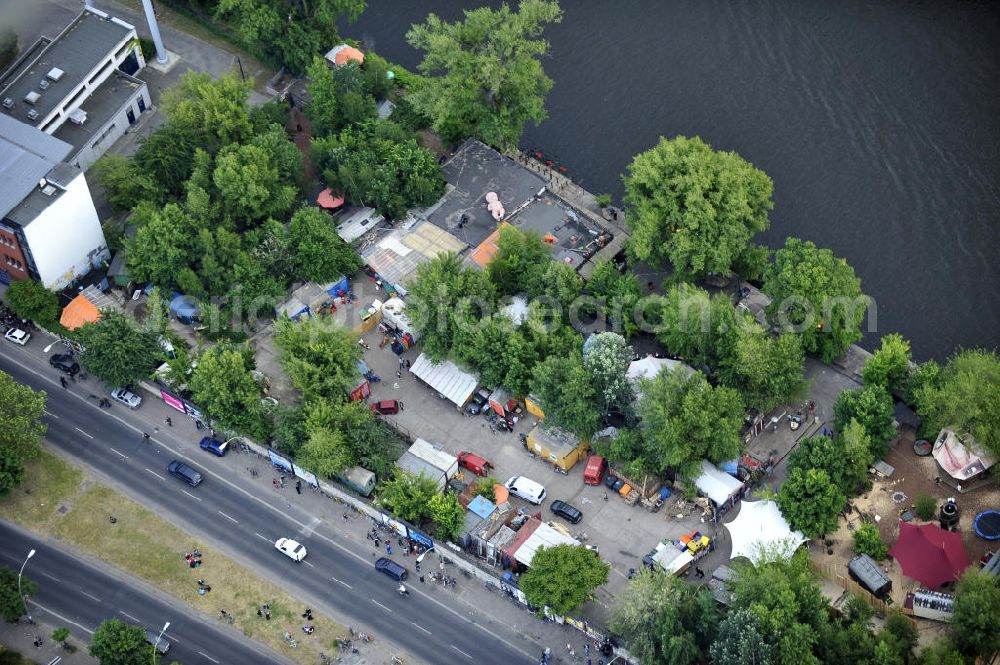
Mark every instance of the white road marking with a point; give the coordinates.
(261, 537)
(267, 506)
(156, 474)
(381, 605)
(235, 521)
(83, 433)
(202, 653)
(62, 618)
(307, 531)
(421, 628)
(51, 415)
(196, 498)
(52, 577)
(308, 564)
(92, 597)
(129, 616)
(342, 582)
(460, 651)
(117, 453)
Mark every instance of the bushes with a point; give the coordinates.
(926, 506)
(867, 540)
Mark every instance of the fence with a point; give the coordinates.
(830, 572)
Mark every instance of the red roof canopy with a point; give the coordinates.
(327, 199)
(929, 554)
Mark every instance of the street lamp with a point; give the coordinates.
(157, 642)
(21, 595)
(49, 347)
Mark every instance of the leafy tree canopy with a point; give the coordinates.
(448, 514)
(973, 628)
(566, 392)
(562, 577)
(11, 602)
(833, 457)
(704, 330)
(338, 97)
(484, 76)
(767, 371)
(21, 435)
(124, 184)
(250, 186)
(607, 357)
(817, 295)
(889, 366)
(214, 109)
(118, 643)
(408, 496)
(223, 384)
(810, 501)
(618, 293)
(319, 355)
(694, 207)
(119, 352)
(29, 299)
(740, 641)
(520, 262)
(873, 408)
(867, 540)
(320, 254)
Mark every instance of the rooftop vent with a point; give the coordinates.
(48, 190)
(78, 117)
(44, 84)
(32, 97)
(32, 114)
(8, 103)
(55, 74)
(42, 182)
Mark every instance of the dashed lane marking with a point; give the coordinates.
(129, 616)
(460, 651)
(342, 582)
(83, 433)
(196, 498)
(202, 653)
(232, 519)
(50, 415)
(381, 605)
(123, 456)
(156, 474)
(92, 597)
(416, 625)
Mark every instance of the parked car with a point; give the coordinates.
(527, 489)
(391, 568)
(127, 397)
(593, 474)
(162, 645)
(184, 472)
(64, 362)
(386, 407)
(566, 511)
(18, 336)
(290, 548)
(474, 463)
(476, 403)
(214, 446)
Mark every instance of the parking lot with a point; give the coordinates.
(623, 533)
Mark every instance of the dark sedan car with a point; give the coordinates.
(566, 511)
(65, 363)
(214, 446)
(391, 568)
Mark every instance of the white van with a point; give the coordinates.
(527, 489)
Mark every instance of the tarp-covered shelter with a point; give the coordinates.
(929, 554)
(556, 446)
(961, 458)
(183, 309)
(307, 299)
(717, 485)
(863, 569)
(649, 367)
(481, 506)
(117, 272)
(761, 528)
(329, 199)
(455, 384)
(78, 312)
(535, 534)
(342, 54)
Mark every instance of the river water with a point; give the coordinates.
(878, 121)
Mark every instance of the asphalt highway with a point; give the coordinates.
(240, 518)
(80, 595)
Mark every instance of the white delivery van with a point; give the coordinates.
(527, 489)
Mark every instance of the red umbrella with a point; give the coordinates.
(328, 199)
(929, 554)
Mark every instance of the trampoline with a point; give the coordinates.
(987, 525)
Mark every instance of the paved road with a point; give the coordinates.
(74, 592)
(337, 576)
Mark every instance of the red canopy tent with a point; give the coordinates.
(328, 199)
(929, 554)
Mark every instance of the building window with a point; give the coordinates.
(14, 263)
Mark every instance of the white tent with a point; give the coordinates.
(760, 529)
(717, 485)
(649, 367)
(446, 378)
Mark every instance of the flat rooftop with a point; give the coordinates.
(27, 155)
(106, 100)
(75, 52)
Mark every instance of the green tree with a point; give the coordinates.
(740, 641)
(408, 496)
(324, 104)
(562, 577)
(320, 254)
(889, 366)
(165, 157)
(899, 633)
(607, 357)
(767, 371)
(867, 540)
(940, 652)
(706, 330)
(810, 501)
(61, 635)
(162, 247)
(118, 643)
(223, 385)
(965, 395)
(684, 420)
(694, 207)
(926, 506)
(817, 295)
(215, 110)
(119, 352)
(283, 154)
(561, 285)
(21, 435)
(857, 448)
(567, 395)
(483, 75)
(820, 452)
(973, 628)
(29, 299)
(319, 355)
(873, 408)
(289, 34)
(448, 514)
(124, 184)
(250, 186)
(326, 453)
(520, 262)
(12, 605)
(618, 294)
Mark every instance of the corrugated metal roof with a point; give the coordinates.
(543, 536)
(26, 156)
(446, 378)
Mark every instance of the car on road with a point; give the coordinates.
(162, 645)
(184, 472)
(566, 511)
(476, 403)
(386, 407)
(527, 489)
(18, 336)
(64, 362)
(474, 463)
(126, 397)
(391, 568)
(214, 446)
(290, 548)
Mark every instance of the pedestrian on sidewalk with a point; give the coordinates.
(274, 481)
(407, 364)
(298, 487)
(388, 550)
(170, 423)
(378, 542)
(62, 381)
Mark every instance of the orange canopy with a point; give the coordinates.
(78, 312)
(327, 199)
(349, 53)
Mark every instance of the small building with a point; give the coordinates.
(721, 489)
(86, 308)
(341, 54)
(424, 459)
(353, 223)
(961, 457)
(532, 536)
(359, 479)
(863, 570)
(453, 383)
(556, 446)
(395, 256)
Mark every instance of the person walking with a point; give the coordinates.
(62, 381)
(170, 423)
(388, 550)
(298, 487)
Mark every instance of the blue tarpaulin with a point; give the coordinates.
(183, 309)
(342, 284)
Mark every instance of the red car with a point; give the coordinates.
(386, 407)
(474, 463)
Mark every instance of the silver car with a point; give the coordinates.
(18, 336)
(127, 397)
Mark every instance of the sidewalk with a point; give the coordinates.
(20, 637)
